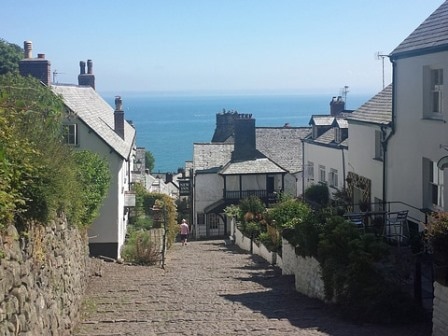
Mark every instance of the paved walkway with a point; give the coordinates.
(209, 289)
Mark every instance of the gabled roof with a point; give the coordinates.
(207, 156)
(282, 145)
(430, 36)
(321, 120)
(256, 166)
(98, 115)
(378, 110)
(340, 122)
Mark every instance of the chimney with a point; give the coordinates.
(119, 117)
(39, 67)
(86, 79)
(245, 143)
(28, 47)
(337, 106)
(224, 125)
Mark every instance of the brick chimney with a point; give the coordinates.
(86, 79)
(245, 142)
(225, 126)
(39, 67)
(337, 105)
(119, 117)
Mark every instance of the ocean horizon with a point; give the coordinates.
(168, 125)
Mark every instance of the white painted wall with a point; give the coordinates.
(327, 157)
(110, 226)
(415, 137)
(361, 156)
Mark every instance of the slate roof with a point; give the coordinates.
(430, 36)
(97, 114)
(321, 120)
(256, 166)
(209, 156)
(340, 122)
(378, 110)
(282, 145)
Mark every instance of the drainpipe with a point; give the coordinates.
(303, 168)
(392, 132)
(343, 167)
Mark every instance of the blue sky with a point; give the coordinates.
(217, 46)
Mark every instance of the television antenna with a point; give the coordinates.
(379, 55)
(344, 92)
(55, 73)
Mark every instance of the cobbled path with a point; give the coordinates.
(210, 289)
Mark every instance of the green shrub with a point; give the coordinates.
(139, 248)
(318, 194)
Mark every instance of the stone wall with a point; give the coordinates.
(259, 249)
(307, 272)
(440, 310)
(42, 279)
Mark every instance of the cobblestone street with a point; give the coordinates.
(208, 289)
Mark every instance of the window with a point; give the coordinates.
(201, 218)
(436, 185)
(213, 220)
(333, 177)
(70, 134)
(322, 174)
(436, 90)
(379, 152)
(337, 135)
(310, 171)
(433, 92)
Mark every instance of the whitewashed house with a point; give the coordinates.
(241, 161)
(417, 154)
(92, 124)
(370, 128)
(325, 149)
(418, 146)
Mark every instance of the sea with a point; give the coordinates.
(167, 125)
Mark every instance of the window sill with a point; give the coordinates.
(378, 159)
(435, 118)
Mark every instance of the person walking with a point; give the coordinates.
(184, 231)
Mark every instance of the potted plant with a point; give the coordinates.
(437, 234)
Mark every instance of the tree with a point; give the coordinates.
(10, 56)
(149, 161)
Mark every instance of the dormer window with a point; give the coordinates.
(337, 135)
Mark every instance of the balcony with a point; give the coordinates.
(235, 196)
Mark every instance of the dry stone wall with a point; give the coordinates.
(42, 279)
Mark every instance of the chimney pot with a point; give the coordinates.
(41, 56)
(28, 47)
(82, 67)
(118, 103)
(89, 67)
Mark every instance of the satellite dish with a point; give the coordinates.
(443, 163)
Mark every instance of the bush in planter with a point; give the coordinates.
(437, 235)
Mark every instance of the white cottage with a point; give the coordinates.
(241, 161)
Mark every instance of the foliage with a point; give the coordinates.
(318, 194)
(233, 210)
(10, 56)
(140, 249)
(251, 211)
(149, 161)
(251, 208)
(35, 166)
(40, 175)
(94, 175)
(285, 213)
(140, 217)
(168, 212)
(437, 234)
